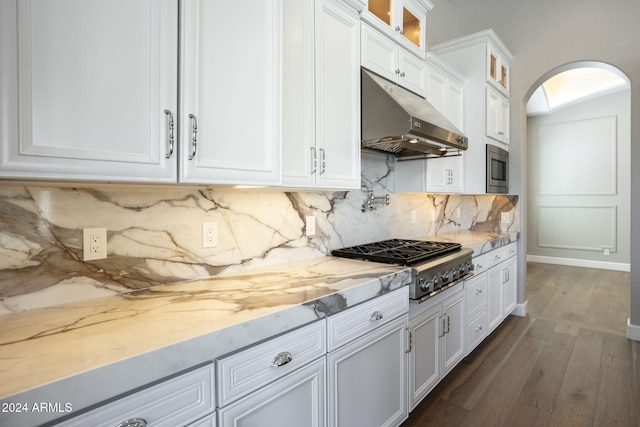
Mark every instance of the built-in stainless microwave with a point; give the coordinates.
(497, 170)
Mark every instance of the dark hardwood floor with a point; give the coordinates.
(568, 363)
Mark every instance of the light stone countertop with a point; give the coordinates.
(87, 351)
(84, 352)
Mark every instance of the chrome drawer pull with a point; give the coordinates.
(376, 315)
(478, 328)
(133, 422)
(194, 136)
(281, 359)
(478, 291)
(170, 135)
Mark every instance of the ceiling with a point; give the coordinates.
(571, 87)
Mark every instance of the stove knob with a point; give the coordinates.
(433, 283)
(446, 276)
(422, 284)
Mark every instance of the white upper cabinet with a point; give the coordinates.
(483, 60)
(230, 86)
(445, 90)
(321, 95)
(385, 57)
(402, 20)
(497, 109)
(82, 100)
(93, 93)
(498, 68)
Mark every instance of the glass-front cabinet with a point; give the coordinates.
(402, 20)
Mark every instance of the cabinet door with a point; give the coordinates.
(379, 54)
(445, 175)
(82, 100)
(230, 85)
(424, 358)
(455, 323)
(497, 112)
(337, 96)
(367, 382)
(510, 288)
(494, 300)
(413, 73)
(299, 154)
(293, 401)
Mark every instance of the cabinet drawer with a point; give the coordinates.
(476, 293)
(482, 262)
(350, 324)
(175, 402)
(477, 329)
(241, 373)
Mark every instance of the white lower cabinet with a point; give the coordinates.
(296, 400)
(437, 329)
(367, 375)
(367, 379)
(280, 382)
(180, 401)
(491, 293)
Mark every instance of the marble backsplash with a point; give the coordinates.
(154, 233)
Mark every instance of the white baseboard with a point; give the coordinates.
(633, 331)
(521, 309)
(618, 266)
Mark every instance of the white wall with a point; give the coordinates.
(543, 35)
(562, 193)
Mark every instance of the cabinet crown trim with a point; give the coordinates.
(471, 40)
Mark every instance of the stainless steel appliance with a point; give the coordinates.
(497, 170)
(436, 266)
(398, 122)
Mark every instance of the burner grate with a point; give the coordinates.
(398, 251)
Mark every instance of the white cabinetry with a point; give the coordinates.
(486, 106)
(385, 57)
(82, 101)
(445, 91)
(497, 108)
(88, 103)
(437, 329)
(491, 293)
(230, 86)
(178, 401)
(321, 95)
(401, 20)
(498, 68)
(367, 363)
(280, 382)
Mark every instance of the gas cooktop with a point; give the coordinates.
(398, 251)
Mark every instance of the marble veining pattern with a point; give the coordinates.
(155, 233)
(183, 324)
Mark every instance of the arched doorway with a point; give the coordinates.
(579, 167)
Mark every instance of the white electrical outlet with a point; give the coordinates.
(311, 225)
(504, 217)
(209, 234)
(94, 243)
(413, 216)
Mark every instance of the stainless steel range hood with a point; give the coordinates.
(398, 122)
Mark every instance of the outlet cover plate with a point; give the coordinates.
(209, 234)
(94, 243)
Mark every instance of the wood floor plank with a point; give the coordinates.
(541, 389)
(614, 402)
(495, 405)
(524, 415)
(581, 377)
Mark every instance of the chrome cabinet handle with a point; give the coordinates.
(281, 359)
(170, 135)
(448, 323)
(194, 136)
(398, 71)
(133, 422)
(400, 30)
(376, 315)
(402, 74)
(478, 291)
(314, 160)
(478, 328)
(323, 161)
(442, 329)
